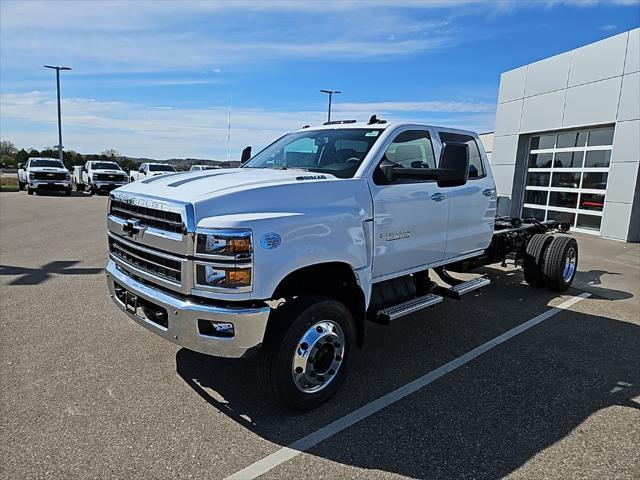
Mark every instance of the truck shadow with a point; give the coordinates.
(35, 276)
(484, 420)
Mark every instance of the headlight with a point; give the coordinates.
(68, 176)
(223, 259)
(230, 243)
(222, 277)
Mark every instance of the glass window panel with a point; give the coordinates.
(536, 197)
(564, 199)
(596, 180)
(590, 222)
(602, 136)
(536, 213)
(598, 158)
(538, 179)
(571, 139)
(566, 179)
(476, 169)
(542, 142)
(540, 160)
(568, 159)
(592, 201)
(561, 216)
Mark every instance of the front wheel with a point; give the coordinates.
(29, 191)
(307, 352)
(67, 191)
(561, 263)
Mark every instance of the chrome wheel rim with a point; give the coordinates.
(570, 262)
(318, 356)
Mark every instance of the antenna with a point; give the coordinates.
(229, 131)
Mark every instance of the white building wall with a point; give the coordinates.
(593, 85)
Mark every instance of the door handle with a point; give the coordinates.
(438, 197)
(488, 192)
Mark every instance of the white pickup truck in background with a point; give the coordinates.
(98, 176)
(322, 231)
(41, 174)
(147, 170)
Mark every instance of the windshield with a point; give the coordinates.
(161, 168)
(46, 163)
(105, 166)
(337, 152)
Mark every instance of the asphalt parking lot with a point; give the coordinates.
(86, 393)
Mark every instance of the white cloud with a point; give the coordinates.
(163, 132)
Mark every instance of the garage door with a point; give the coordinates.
(567, 177)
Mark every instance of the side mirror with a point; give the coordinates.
(141, 169)
(453, 169)
(246, 155)
(20, 166)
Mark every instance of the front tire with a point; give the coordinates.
(307, 352)
(561, 263)
(29, 191)
(21, 186)
(67, 191)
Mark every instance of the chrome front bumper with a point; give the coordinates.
(182, 318)
(50, 183)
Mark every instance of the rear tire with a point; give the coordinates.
(534, 259)
(561, 263)
(324, 331)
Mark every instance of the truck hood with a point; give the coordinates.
(195, 187)
(229, 197)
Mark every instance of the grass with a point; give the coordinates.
(8, 184)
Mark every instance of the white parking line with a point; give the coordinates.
(305, 443)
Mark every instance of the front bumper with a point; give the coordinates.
(182, 318)
(50, 184)
(108, 185)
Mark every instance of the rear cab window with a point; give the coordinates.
(476, 167)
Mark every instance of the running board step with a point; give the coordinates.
(405, 308)
(463, 288)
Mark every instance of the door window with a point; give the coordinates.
(476, 169)
(410, 149)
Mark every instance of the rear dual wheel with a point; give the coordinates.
(307, 352)
(551, 261)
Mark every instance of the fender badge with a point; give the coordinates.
(270, 240)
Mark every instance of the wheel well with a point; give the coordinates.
(335, 280)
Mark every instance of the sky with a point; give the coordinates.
(156, 78)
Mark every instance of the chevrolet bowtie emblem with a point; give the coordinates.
(133, 227)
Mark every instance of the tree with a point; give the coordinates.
(7, 148)
(111, 152)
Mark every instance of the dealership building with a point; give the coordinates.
(566, 144)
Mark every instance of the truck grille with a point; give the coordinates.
(49, 176)
(108, 177)
(148, 217)
(152, 263)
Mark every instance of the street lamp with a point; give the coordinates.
(57, 69)
(330, 93)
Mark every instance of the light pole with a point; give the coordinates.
(330, 93)
(57, 69)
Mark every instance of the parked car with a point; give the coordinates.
(44, 174)
(324, 230)
(198, 168)
(147, 170)
(98, 176)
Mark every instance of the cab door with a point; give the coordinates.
(410, 217)
(472, 206)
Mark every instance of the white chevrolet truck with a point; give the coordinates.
(324, 230)
(98, 176)
(41, 174)
(147, 169)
